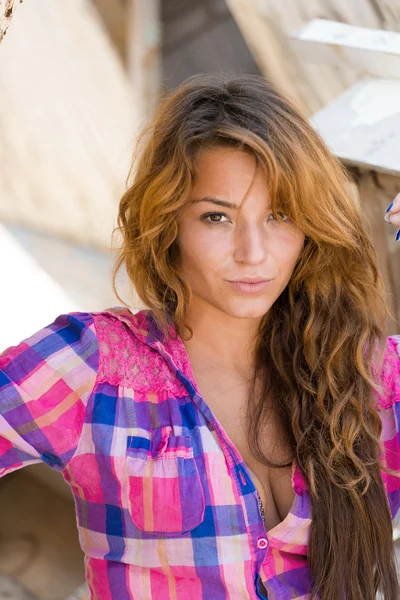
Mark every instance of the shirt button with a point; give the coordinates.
(298, 490)
(262, 543)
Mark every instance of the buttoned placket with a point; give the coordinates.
(233, 458)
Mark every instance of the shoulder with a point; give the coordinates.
(121, 319)
(133, 352)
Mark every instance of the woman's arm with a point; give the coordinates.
(45, 383)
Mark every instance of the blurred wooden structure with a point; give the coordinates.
(201, 36)
(267, 26)
(362, 127)
(68, 120)
(134, 28)
(180, 38)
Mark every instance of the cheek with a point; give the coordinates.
(286, 250)
(294, 254)
(200, 249)
(198, 258)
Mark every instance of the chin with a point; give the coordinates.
(246, 310)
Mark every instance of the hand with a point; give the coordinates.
(392, 214)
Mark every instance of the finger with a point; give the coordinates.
(395, 219)
(396, 205)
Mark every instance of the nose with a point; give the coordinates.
(250, 244)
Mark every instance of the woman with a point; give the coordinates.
(238, 438)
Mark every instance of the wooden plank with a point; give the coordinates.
(362, 126)
(371, 51)
(263, 42)
(114, 17)
(144, 54)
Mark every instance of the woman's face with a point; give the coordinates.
(219, 244)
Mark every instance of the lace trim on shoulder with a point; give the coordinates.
(127, 360)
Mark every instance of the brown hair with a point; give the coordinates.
(317, 342)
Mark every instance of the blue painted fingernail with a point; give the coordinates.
(389, 207)
(397, 236)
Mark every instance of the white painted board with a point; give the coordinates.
(362, 126)
(369, 51)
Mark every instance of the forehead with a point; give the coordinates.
(228, 173)
(224, 158)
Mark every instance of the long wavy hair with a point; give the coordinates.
(319, 341)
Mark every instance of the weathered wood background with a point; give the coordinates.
(267, 25)
(67, 122)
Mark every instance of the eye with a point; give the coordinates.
(214, 218)
(209, 218)
(285, 217)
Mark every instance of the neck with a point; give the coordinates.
(226, 341)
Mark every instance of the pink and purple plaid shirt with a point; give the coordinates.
(166, 507)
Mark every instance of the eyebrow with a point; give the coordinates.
(216, 201)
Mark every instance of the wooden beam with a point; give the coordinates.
(263, 43)
(144, 54)
(114, 16)
(371, 51)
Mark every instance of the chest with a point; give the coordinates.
(228, 400)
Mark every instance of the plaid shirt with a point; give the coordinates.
(166, 507)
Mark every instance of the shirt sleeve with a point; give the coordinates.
(390, 415)
(45, 384)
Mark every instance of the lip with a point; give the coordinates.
(249, 280)
(249, 287)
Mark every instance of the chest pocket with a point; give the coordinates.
(165, 495)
